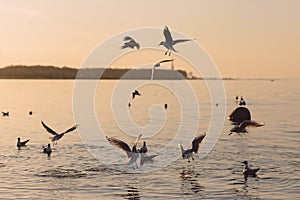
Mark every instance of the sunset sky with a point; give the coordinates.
(245, 38)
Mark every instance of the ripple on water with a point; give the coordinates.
(62, 173)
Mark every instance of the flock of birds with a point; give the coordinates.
(134, 152)
(241, 119)
(56, 136)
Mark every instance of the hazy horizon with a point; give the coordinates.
(245, 39)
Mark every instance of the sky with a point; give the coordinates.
(244, 38)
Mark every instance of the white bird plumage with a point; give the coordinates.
(169, 42)
(187, 154)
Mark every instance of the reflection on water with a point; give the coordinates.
(189, 181)
(72, 173)
(132, 193)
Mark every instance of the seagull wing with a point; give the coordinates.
(181, 149)
(24, 142)
(180, 41)
(168, 37)
(196, 142)
(127, 38)
(49, 129)
(120, 144)
(71, 129)
(247, 123)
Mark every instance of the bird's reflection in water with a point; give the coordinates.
(189, 179)
(132, 193)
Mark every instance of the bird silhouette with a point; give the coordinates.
(187, 154)
(57, 136)
(169, 42)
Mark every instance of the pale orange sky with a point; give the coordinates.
(245, 38)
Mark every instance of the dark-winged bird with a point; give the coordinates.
(187, 154)
(247, 171)
(47, 149)
(57, 136)
(134, 93)
(129, 42)
(144, 148)
(169, 42)
(21, 144)
(5, 114)
(241, 128)
(133, 153)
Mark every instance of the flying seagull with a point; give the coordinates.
(247, 171)
(241, 128)
(47, 149)
(134, 93)
(169, 42)
(57, 136)
(129, 42)
(187, 154)
(133, 153)
(5, 114)
(158, 65)
(21, 144)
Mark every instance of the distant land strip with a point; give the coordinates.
(52, 72)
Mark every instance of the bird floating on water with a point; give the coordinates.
(21, 144)
(242, 102)
(247, 171)
(129, 42)
(241, 128)
(144, 148)
(47, 149)
(57, 136)
(187, 154)
(169, 42)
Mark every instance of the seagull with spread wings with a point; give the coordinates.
(57, 136)
(169, 42)
(187, 154)
(241, 128)
(132, 154)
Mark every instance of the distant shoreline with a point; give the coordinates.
(40, 72)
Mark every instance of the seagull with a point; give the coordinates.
(145, 158)
(135, 92)
(47, 149)
(57, 136)
(129, 42)
(133, 153)
(144, 148)
(169, 42)
(242, 102)
(187, 154)
(241, 128)
(5, 114)
(21, 144)
(247, 171)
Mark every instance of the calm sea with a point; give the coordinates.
(73, 173)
